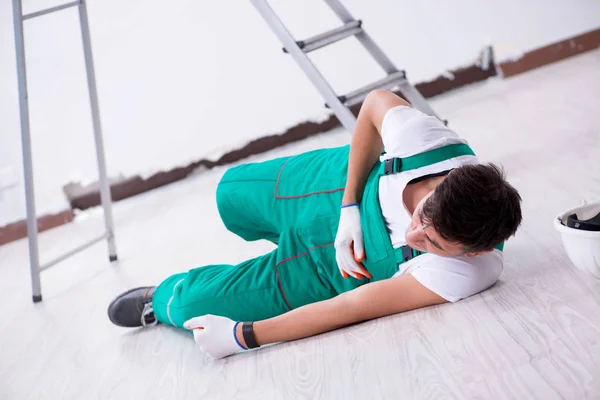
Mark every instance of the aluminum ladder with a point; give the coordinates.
(32, 229)
(351, 27)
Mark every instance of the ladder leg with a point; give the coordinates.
(105, 195)
(415, 98)
(32, 231)
(368, 43)
(345, 116)
(408, 90)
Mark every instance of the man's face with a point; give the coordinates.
(423, 237)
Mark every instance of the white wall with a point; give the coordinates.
(181, 80)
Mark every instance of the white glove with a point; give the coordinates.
(215, 335)
(349, 247)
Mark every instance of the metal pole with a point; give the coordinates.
(347, 119)
(50, 10)
(105, 196)
(26, 148)
(417, 99)
(368, 43)
(408, 90)
(73, 251)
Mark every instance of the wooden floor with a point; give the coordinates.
(534, 335)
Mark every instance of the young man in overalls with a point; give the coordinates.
(358, 236)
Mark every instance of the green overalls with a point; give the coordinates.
(293, 202)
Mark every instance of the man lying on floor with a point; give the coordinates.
(358, 236)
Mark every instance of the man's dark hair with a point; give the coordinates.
(474, 206)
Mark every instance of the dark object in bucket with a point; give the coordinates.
(592, 224)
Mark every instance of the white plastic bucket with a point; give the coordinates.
(582, 247)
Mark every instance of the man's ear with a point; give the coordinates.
(475, 254)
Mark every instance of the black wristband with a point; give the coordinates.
(248, 334)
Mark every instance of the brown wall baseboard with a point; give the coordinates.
(552, 53)
(129, 187)
(86, 197)
(18, 230)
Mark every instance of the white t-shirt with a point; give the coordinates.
(407, 131)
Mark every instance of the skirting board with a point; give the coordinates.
(551, 53)
(18, 230)
(83, 198)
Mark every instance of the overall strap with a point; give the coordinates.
(396, 165)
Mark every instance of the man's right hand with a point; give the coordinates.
(349, 246)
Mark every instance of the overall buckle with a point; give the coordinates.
(408, 253)
(392, 166)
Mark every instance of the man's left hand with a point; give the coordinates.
(215, 335)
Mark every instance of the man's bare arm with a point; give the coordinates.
(367, 144)
(367, 302)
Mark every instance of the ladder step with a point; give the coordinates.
(323, 39)
(390, 81)
(50, 10)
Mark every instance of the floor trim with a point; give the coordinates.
(18, 230)
(553, 52)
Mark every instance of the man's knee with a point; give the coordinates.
(246, 204)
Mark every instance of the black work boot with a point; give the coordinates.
(133, 308)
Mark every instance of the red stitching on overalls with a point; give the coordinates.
(302, 195)
(289, 259)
